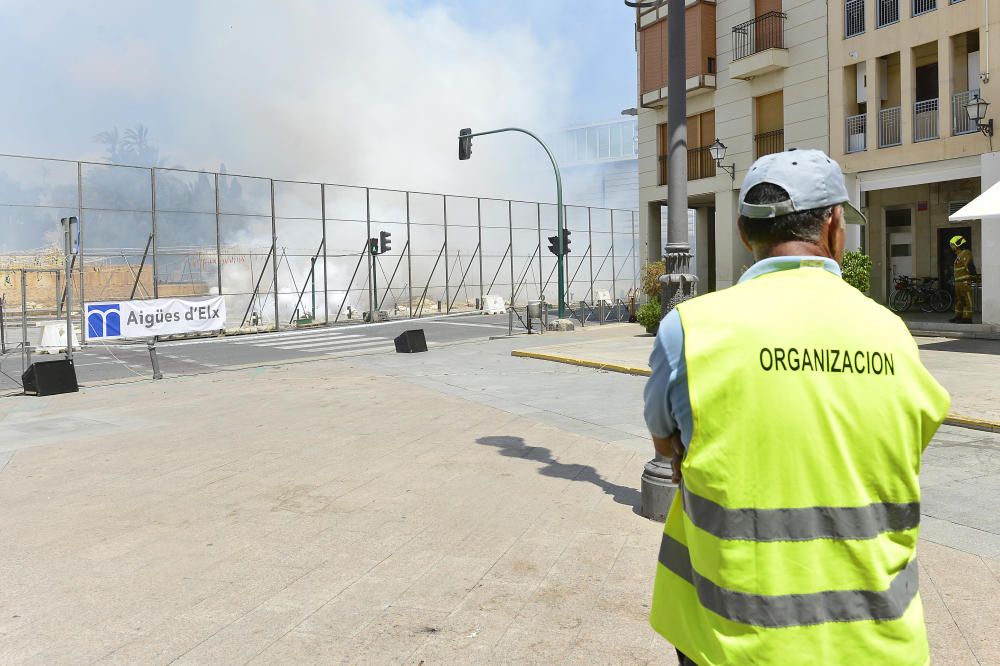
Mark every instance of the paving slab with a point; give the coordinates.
(351, 512)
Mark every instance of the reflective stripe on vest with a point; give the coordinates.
(789, 610)
(817, 522)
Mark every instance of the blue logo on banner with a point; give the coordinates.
(104, 320)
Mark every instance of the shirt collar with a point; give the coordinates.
(775, 264)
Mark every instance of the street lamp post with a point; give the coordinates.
(465, 152)
(677, 284)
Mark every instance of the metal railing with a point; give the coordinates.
(925, 120)
(855, 133)
(700, 163)
(886, 12)
(766, 31)
(290, 251)
(890, 127)
(767, 143)
(854, 18)
(923, 6)
(960, 121)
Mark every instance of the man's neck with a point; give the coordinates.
(796, 249)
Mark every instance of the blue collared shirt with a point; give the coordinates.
(667, 403)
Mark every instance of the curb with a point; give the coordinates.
(569, 360)
(952, 419)
(972, 423)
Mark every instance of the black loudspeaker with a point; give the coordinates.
(409, 342)
(50, 378)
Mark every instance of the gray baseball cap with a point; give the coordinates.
(810, 177)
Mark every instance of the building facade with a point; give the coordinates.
(757, 80)
(902, 73)
(599, 163)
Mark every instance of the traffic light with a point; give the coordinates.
(554, 245)
(384, 242)
(464, 144)
(373, 245)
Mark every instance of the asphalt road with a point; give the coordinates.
(106, 363)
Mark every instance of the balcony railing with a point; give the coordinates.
(767, 31)
(960, 121)
(855, 133)
(923, 6)
(925, 120)
(768, 142)
(700, 165)
(854, 18)
(890, 127)
(886, 12)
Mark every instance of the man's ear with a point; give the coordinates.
(743, 234)
(836, 234)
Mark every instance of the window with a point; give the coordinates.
(854, 18)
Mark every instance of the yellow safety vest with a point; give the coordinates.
(793, 536)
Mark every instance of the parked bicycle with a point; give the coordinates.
(921, 292)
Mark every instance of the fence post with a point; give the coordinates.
(614, 287)
(447, 283)
(274, 258)
(635, 243)
(152, 210)
(590, 250)
(218, 237)
(326, 296)
(479, 227)
(370, 265)
(541, 273)
(510, 241)
(25, 347)
(409, 258)
(79, 248)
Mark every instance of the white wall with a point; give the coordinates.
(990, 240)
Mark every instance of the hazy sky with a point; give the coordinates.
(342, 90)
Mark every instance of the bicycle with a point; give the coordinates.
(922, 292)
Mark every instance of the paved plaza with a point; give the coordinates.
(460, 506)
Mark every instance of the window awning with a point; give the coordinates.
(986, 205)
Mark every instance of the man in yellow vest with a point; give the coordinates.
(964, 268)
(796, 410)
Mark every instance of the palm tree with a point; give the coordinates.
(112, 141)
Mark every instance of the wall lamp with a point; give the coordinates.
(976, 108)
(718, 152)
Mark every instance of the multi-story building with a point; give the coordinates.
(756, 81)
(902, 73)
(599, 163)
(882, 85)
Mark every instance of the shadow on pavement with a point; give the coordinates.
(967, 346)
(516, 447)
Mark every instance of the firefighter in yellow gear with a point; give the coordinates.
(963, 280)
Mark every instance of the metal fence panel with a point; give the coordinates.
(289, 253)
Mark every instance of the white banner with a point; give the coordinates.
(109, 320)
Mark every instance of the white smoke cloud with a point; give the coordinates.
(341, 91)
